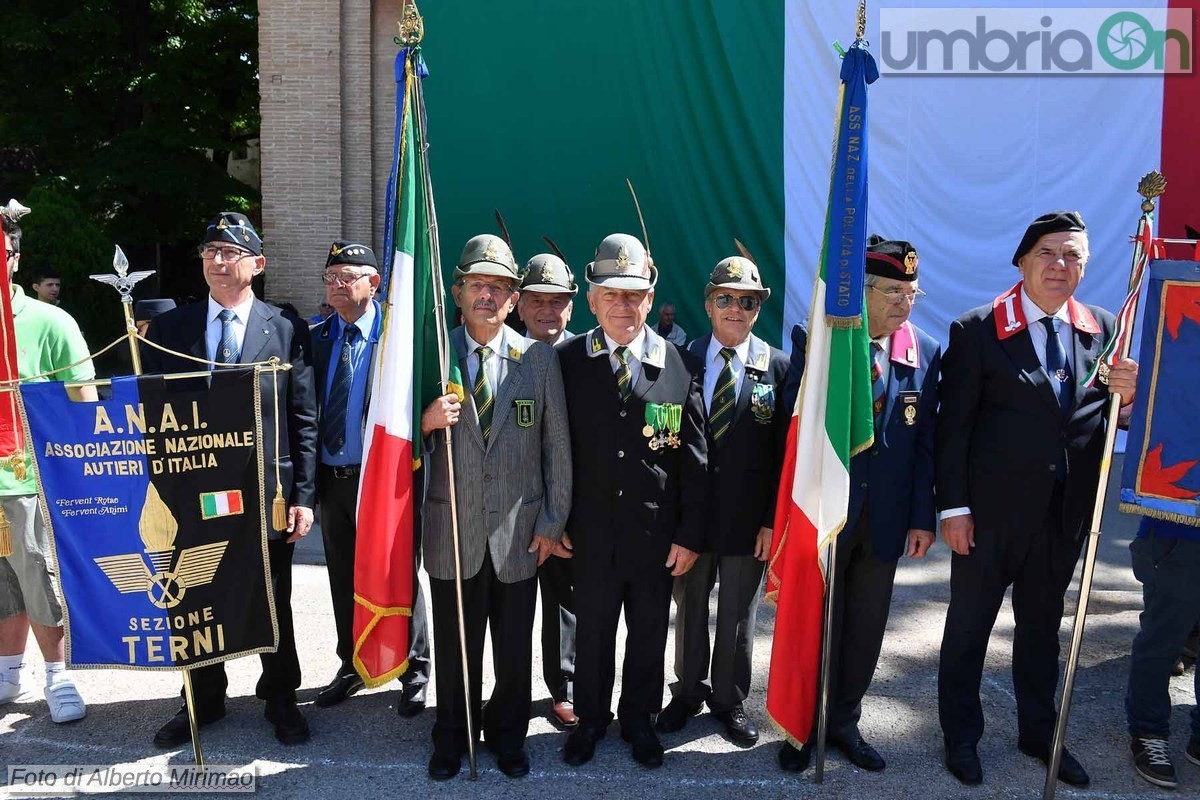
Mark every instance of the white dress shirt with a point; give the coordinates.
(637, 351)
(714, 362)
(212, 331)
(492, 364)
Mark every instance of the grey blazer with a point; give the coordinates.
(515, 487)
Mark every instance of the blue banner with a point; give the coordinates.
(154, 502)
(1161, 478)
(846, 238)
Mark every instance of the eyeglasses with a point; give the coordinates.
(13, 253)
(746, 302)
(228, 254)
(896, 298)
(342, 278)
(479, 287)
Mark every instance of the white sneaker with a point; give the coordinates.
(65, 703)
(10, 685)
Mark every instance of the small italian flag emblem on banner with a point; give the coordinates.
(220, 504)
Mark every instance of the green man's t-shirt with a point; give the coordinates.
(48, 339)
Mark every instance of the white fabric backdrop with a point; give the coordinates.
(959, 166)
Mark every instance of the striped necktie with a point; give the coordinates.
(724, 398)
(338, 401)
(227, 348)
(484, 401)
(878, 384)
(624, 373)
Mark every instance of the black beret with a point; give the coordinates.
(146, 310)
(343, 252)
(892, 259)
(1054, 222)
(230, 227)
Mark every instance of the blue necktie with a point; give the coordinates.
(1057, 365)
(227, 349)
(338, 400)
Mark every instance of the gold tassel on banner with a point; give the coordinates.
(279, 519)
(17, 462)
(6, 542)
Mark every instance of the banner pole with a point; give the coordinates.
(123, 281)
(826, 659)
(1151, 186)
(439, 313)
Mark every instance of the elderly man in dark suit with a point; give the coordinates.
(638, 513)
(235, 327)
(547, 300)
(1019, 442)
(891, 511)
(512, 467)
(343, 350)
(743, 378)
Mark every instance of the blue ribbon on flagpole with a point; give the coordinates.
(846, 252)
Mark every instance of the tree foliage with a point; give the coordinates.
(135, 105)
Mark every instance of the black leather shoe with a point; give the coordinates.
(178, 731)
(581, 744)
(341, 687)
(741, 729)
(443, 766)
(675, 716)
(647, 750)
(963, 763)
(412, 701)
(290, 725)
(513, 763)
(793, 760)
(1070, 771)
(861, 754)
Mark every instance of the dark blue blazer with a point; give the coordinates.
(898, 468)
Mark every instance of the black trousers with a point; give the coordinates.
(281, 669)
(507, 608)
(338, 507)
(1038, 564)
(599, 599)
(862, 599)
(558, 627)
(732, 651)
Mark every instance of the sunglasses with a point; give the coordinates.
(747, 302)
(14, 253)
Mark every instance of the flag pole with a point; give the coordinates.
(831, 568)
(1151, 186)
(123, 281)
(411, 32)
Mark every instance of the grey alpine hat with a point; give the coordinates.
(622, 263)
(549, 274)
(736, 272)
(486, 254)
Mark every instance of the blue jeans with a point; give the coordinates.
(1169, 570)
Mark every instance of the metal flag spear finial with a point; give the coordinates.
(412, 27)
(123, 281)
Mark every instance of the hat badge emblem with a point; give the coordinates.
(491, 254)
(334, 250)
(623, 258)
(735, 269)
(547, 274)
(221, 224)
(910, 262)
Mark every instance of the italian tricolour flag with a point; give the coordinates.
(832, 421)
(406, 379)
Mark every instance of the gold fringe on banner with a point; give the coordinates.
(844, 323)
(1169, 516)
(6, 542)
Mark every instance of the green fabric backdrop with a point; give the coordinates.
(542, 108)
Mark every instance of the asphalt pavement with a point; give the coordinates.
(363, 749)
